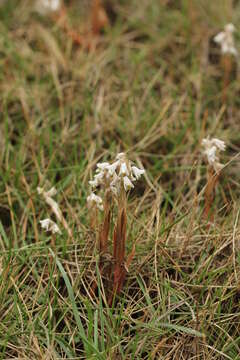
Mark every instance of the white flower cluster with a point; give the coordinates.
(212, 148)
(113, 176)
(94, 200)
(49, 225)
(225, 39)
(44, 7)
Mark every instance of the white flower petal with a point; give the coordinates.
(103, 165)
(114, 190)
(219, 38)
(94, 199)
(212, 148)
(93, 183)
(137, 172)
(44, 7)
(112, 168)
(124, 169)
(230, 28)
(121, 156)
(219, 144)
(127, 184)
(226, 40)
(49, 225)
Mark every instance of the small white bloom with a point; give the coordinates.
(211, 155)
(93, 199)
(103, 165)
(137, 173)
(230, 28)
(127, 183)
(114, 190)
(212, 148)
(115, 184)
(93, 183)
(121, 156)
(112, 168)
(124, 169)
(219, 144)
(226, 41)
(49, 225)
(44, 7)
(97, 179)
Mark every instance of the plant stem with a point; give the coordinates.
(227, 68)
(119, 240)
(212, 179)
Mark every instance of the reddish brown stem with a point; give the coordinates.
(99, 17)
(212, 179)
(119, 240)
(227, 68)
(104, 231)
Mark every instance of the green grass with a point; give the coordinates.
(151, 89)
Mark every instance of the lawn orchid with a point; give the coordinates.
(114, 181)
(226, 41)
(212, 148)
(47, 196)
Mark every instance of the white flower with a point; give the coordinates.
(47, 195)
(98, 178)
(121, 156)
(49, 225)
(212, 148)
(226, 41)
(93, 199)
(137, 173)
(124, 169)
(211, 155)
(219, 144)
(93, 183)
(127, 183)
(44, 7)
(111, 176)
(112, 168)
(103, 165)
(115, 184)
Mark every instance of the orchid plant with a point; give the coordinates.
(113, 181)
(226, 40)
(212, 148)
(47, 223)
